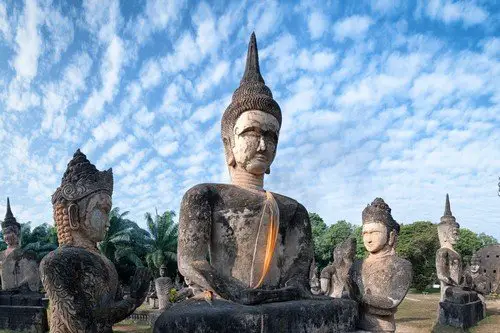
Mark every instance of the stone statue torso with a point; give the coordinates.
(238, 240)
(450, 264)
(163, 285)
(89, 275)
(18, 268)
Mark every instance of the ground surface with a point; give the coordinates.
(418, 313)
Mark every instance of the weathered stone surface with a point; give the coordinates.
(17, 267)
(304, 316)
(163, 285)
(334, 276)
(82, 284)
(381, 281)
(28, 319)
(459, 306)
(486, 269)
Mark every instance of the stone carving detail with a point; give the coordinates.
(259, 243)
(459, 306)
(163, 285)
(18, 268)
(334, 276)
(314, 279)
(485, 270)
(380, 282)
(82, 284)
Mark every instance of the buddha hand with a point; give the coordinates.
(140, 284)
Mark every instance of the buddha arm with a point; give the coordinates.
(299, 250)
(65, 296)
(195, 225)
(120, 310)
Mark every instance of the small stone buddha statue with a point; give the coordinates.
(379, 282)
(239, 241)
(82, 284)
(18, 268)
(163, 285)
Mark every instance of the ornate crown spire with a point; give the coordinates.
(379, 211)
(252, 67)
(252, 94)
(10, 220)
(81, 179)
(448, 217)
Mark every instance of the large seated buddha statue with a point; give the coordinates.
(82, 284)
(240, 244)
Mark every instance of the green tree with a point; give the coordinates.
(468, 244)
(418, 243)
(486, 239)
(125, 244)
(361, 252)
(163, 232)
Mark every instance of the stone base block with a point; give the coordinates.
(220, 316)
(460, 315)
(32, 319)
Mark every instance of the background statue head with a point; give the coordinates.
(448, 227)
(83, 201)
(345, 250)
(11, 229)
(163, 270)
(380, 230)
(251, 123)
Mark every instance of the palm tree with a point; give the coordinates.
(125, 242)
(40, 241)
(163, 232)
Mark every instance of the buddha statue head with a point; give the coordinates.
(163, 270)
(251, 123)
(380, 230)
(11, 229)
(448, 227)
(82, 203)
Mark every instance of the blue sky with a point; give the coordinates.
(395, 99)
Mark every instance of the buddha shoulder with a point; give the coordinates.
(68, 258)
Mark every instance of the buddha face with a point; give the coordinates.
(95, 216)
(11, 236)
(448, 234)
(163, 271)
(375, 236)
(254, 141)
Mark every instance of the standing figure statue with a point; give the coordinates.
(163, 285)
(82, 284)
(380, 282)
(334, 276)
(18, 268)
(460, 306)
(314, 279)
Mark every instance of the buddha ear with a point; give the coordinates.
(392, 237)
(228, 151)
(74, 219)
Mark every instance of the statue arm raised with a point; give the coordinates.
(65, 295)
(195, 225)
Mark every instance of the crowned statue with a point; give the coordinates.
(379, 282)
(18, 268)
(460, 306)
(81, 283)
(245, 251)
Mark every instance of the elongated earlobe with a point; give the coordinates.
(74, 222)
(230, 160)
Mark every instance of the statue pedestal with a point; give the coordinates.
(463, 309)
(219, 316)
(25, 312)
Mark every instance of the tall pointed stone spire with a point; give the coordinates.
(10, 220)
(448, 217)
(252, 94)
(252, 67)
(447, 208)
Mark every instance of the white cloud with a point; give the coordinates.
(167, 148)
(107, 130)
(353, 27)
(28, 42)
(212, 77)
(455, 11)
(150, 74)
(116, 151)
(4, 22)
(144, 118)
(317, 24)
(61, 32)
(263, 17)
(110, 77)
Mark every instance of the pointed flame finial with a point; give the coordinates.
(447, 208)
(252, 67)
(9, 214)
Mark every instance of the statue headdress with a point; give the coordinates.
(448, 218)
(252, 94)
(10, 220)
(379, 211)
(81, 179)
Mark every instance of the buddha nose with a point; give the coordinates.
(262, 144)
